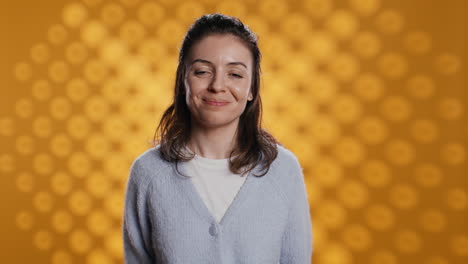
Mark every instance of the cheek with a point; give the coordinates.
(241, 90)
(191, 90)
(196, 85)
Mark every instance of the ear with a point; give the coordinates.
(184, 89)
(250, 97)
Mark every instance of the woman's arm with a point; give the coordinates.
(136, 224)
(297, 239)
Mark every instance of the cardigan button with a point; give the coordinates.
(213, 230)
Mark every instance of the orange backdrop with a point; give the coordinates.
(369, 94)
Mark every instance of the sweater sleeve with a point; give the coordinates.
(297, 238)
(136, 222)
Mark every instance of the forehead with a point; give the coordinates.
(219, 48)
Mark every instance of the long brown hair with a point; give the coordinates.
(254, 144)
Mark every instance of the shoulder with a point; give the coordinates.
(147, 165)
(151, 157)
(286, 160)
(287, 174)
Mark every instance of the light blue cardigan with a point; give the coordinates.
(166, 222)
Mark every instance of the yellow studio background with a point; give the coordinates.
(371, 95)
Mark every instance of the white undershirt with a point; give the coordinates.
(215, 183)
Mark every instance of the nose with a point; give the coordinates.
(217, 84)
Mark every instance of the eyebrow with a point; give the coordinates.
(209, 62)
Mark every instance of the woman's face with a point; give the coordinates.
(218, 80)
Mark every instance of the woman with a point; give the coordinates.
(218, 188)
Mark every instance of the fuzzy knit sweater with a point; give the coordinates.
(166, 221)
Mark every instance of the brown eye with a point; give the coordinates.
(236, 75)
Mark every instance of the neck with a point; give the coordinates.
(213, 143)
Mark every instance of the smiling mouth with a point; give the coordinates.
(215, 103)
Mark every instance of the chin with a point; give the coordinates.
(213, 122)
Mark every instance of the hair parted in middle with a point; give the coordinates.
(254, 145)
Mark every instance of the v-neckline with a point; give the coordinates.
(199, 205)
